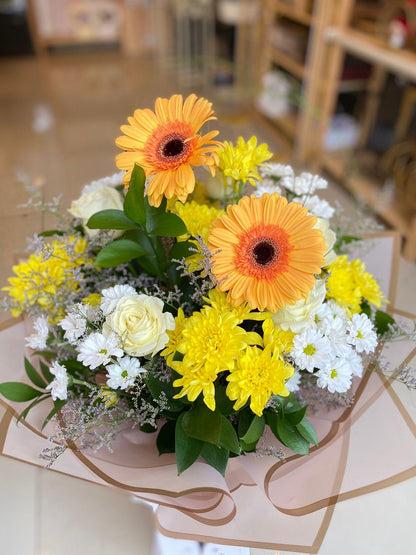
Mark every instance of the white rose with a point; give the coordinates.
(300, 316)
(330, 238)
(101, 198)
(141, 324)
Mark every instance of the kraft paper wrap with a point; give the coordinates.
(261, 502)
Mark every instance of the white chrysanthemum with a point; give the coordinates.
(112, 295)
(362, 334)
(59, 386)
(267, 186)
(38, 340)
(334, 329)
(310, 349)
(305, 184)
(276, 170)
(293, 383)
(336, 376)
(316, 206)
(98, 350)
(109, 181)
(354, 362)
(331, 309)
(123, 374)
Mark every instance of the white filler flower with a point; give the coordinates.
(310, 350)
(112, 295)
(75, 322)
(98, 350)
(38, 340)
(293, 383)
(362, 334)
(316, 206)
(267, 186)
(123, 374)
(336, 376)
(305, 184)
(59, 386)
(108, 181)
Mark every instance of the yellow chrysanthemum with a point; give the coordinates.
(281, 341)
(241, 162)
(166, 143)
(348, 283)
(94, 299)
(266, 251)
(211, 343)
(257, 375)
(197, 218)
(175, 337)
(219, 300)
(46, 280)
(108, 396)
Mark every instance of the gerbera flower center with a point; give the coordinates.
(172, 146)
(265, 252)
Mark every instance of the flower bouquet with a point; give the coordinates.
(206, 311)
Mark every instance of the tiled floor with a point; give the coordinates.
(86, 98)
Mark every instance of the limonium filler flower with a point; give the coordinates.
(266, 252)
(166, 143)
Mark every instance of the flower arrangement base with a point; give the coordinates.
(262, 501)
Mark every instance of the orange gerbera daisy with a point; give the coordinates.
(166, 144)
(266, 252)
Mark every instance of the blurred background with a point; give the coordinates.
(330, 85)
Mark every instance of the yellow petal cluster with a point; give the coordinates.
(211, 343)
(45, 280)
(348, 283)
(197, 218)
(220, 301)
(280, 341)
(175, 337)
(257, 375)
(241, 162)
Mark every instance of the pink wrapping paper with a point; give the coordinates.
(261, 502)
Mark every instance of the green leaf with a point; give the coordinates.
(110, 219)
(22, 415)
(33, 375)
(228, 436)
(73, 365)
(58, 404)
(51, 233)
(345, 240)
(290, 437)
(148, 428)
(296, 416)
(167, 225)
(187, 449)
(134, 201)
(45, 354)
(216, 457)
(222, 402)
(307, 430)
(182, 249)
(255, 430)
(118, 252)
(365, 308)
(248, 447)
(166, 439)
(244, 420)
(45, 372)
(202, 423)
(19, 392)
(382, 322)
(156, 387)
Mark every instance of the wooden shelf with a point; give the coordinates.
(289, 64)
(374, 50)
(368, 190)
(294, 13)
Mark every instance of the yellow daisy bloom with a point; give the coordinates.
(211, 342)
(219, 300)
(197, 218)
(348, 283)
(257, 375)
(241, 162)
(281, 341)
(266, 252)
(166, 143)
